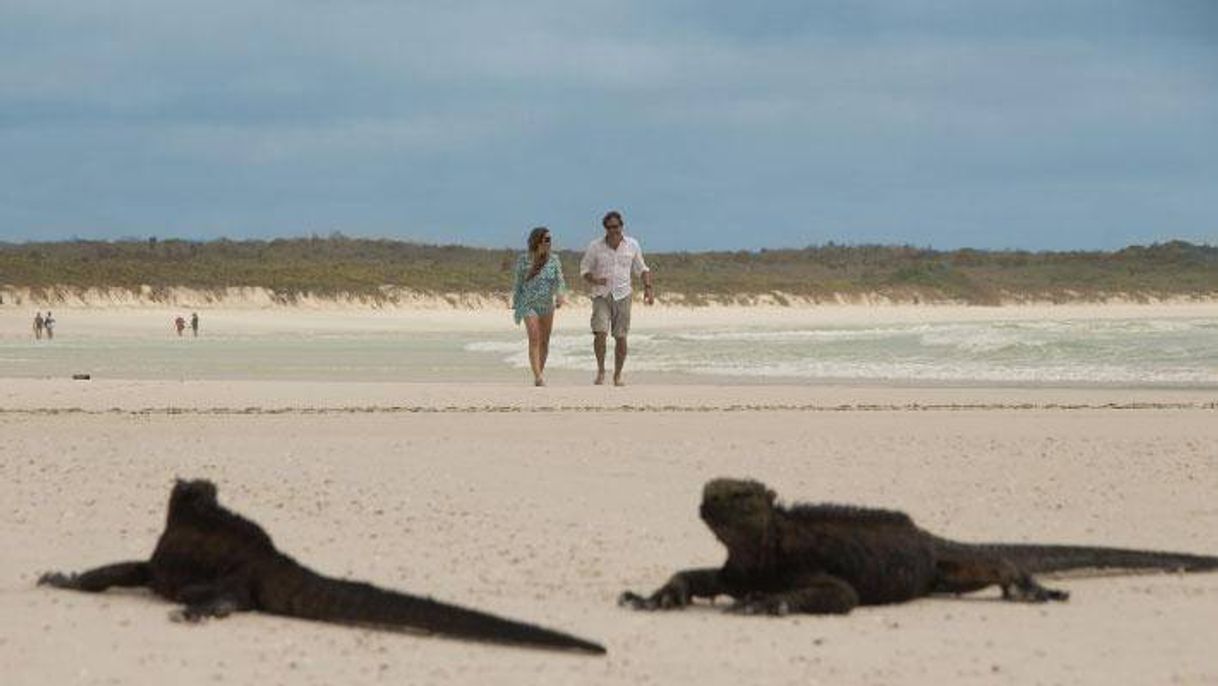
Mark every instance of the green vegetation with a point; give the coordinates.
(373, 269)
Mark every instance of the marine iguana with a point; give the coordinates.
(216, 562)
(823, 559)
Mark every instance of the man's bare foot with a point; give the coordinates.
(617, 381)
(539, 381)
(600, 379)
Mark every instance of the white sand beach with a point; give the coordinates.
(544, 504)
(252, 310)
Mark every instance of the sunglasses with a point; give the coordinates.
(545, 239)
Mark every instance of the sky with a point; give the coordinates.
(710, 124)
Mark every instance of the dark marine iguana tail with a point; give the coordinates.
(1048, 559)
(216, 562)
(317, 597)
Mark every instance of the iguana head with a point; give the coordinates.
(740, 512)
(192, 493)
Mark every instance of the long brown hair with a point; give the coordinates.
(535, 237)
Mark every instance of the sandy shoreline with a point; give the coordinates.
(154, 319)
(222, 398)
(546, 505)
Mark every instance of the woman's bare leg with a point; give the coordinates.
(545, 324)
(532, 325)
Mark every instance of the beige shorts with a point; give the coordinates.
(611, 316)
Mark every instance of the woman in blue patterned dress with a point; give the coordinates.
(538, 290)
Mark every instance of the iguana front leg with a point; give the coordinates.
(100, 578)
(683, 587)
(821, 594)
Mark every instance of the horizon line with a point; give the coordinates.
(341, 236)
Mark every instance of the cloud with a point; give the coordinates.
(884, 119)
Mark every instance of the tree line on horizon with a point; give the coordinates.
(370, 269)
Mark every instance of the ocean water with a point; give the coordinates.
(1135, 352)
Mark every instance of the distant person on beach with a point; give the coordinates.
(179, 324)
(607, 266)
(539, 288)
(38, 324)
(48, 323)
(194, 323)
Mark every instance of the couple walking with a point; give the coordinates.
(607, 267)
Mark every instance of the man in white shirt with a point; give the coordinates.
(607, 266)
